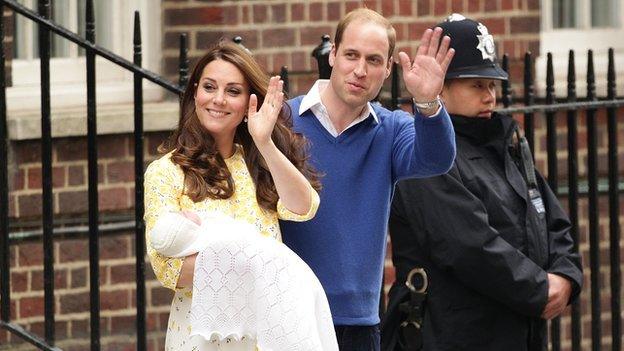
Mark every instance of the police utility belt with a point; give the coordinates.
(410, 330)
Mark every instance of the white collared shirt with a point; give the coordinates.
(312, 101)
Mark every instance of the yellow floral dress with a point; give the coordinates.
(164, 192)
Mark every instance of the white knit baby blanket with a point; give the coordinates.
(252, 286)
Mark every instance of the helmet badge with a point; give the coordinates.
(486, 43)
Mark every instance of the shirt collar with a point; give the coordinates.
(313, 97)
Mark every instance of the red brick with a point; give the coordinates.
(122, 324)
(34, 177)
(312, 35)
(387, 8)
(73, 251)
(416, 29)
(30, 254)
(114, 300)
(37, 280)
(524, 25)
(76, 175)
(27, 152)
(496, 26)
(78, 277)
(333, 11)
(491, 5)
(30, 307)
(18, 180)
(297, 12)
(208, 15)
(120, 172)
(74, 303)
(260, 13)
(250, 37)
(533, 4)
(80, 328)
(123, 273)
(19, 281)
(507, 4)
(316, 11)
(29, 205)
(474, 5)
(71, 149)
(113, 247)
(113, 199)
(246, 19)
(207, 38)
(73, 202)
(352, 5)
(405, 7)
(278, 37)
(12, 206)
(372, 4)
(279, 60)
(231, 15)
(440, 8)
(278, 13)
(112, 146)
(161, 296)
(457, 6)
(299, 61)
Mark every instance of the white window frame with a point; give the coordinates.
(114, 84)
(560, 41)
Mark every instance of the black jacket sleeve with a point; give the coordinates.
(452, 228)
(562, 260)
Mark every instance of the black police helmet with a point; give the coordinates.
(475, 53)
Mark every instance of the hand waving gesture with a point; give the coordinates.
(424, 77)
(261, 122)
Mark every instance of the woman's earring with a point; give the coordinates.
(245, 119)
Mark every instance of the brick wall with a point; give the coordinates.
(285, 32)
(279, 33)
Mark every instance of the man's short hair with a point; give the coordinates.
(366, 15)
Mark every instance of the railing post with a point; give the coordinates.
(5, 281)
(593, 215)
(46, 174)
(528, 101)
(614, 212)
(506, 84)
(395, 91)
(284, 76)
(573, 191)
(321, 54)
(139, 208)
(551, 152)
(183, 63)
(94, 256)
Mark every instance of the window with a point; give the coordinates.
(580, 25)
(114, 26)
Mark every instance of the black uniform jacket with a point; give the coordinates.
(485, 247)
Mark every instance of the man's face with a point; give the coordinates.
(360, 64)
(470, 97)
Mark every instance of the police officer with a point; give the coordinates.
(490, 234)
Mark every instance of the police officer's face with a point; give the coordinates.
(471, 97)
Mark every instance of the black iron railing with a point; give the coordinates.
(46, 26)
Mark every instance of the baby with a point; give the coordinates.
(180, 234)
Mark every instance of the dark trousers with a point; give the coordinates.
(358, 337)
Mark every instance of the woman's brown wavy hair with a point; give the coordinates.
(195, 151)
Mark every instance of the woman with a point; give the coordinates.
(227, 157)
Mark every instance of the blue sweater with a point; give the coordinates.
(345, 243)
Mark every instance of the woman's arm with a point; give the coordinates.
(293, 188)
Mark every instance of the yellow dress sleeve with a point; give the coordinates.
(164, 184)
(285, 214)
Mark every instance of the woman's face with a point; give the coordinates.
(470, 97)
(221, 100)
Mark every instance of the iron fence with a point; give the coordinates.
(549, 107)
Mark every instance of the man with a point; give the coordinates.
(490, 234)
(363, 149)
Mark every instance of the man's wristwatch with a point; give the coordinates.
(427, 105)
